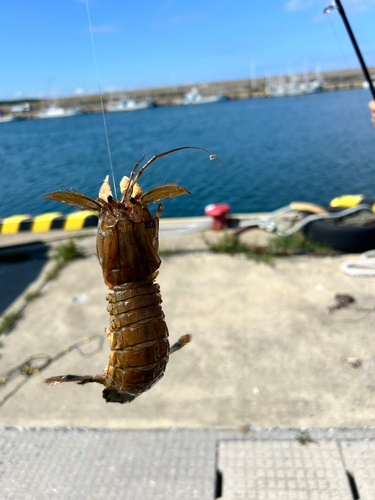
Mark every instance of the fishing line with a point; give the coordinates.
(350, 320)
(337, 39)
(37, 363)
(327, 14)
(101, 96)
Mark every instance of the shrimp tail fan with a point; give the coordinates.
(75, 199)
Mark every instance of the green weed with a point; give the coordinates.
(8, 321)
(32, 295)
(296, 243)
(67, 252)
(278, 246)
(230, 244)
(164, 254)
(64, 253)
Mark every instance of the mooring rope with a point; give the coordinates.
(360, 268)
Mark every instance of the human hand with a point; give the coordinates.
(371, 105)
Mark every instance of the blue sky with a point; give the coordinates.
(46, 46)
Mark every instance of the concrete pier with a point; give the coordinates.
(266, 354)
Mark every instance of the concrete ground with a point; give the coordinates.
(265, 350)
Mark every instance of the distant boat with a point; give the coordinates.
(130, 105)
(20, 108)
(59, 112)
(194, 97)
(312, 86)
(295, 87)
(278, 90)
(8, 118)
(366, 85)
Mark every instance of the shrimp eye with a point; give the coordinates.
(132, 200)
(110, 198)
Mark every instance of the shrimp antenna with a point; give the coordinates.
(141, 170)
(124, 196)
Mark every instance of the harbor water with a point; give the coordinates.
(273, 151)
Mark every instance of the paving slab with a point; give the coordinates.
(78, 464)
(287, 470)
(184, 464)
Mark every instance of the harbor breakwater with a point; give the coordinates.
(173, 95)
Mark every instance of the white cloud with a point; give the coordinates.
(350, 5)
(78, 91)
(104, 28)
(360, 5)
(293, 5)
(195, 17)
(36, 95)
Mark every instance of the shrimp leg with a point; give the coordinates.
(185, 339)
(156, 226)
(79, 379)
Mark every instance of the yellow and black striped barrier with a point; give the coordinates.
(48, 222)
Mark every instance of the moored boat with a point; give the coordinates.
(295, 87)
(59, 112)
(129, 105)
(8, 118)
(194, 97)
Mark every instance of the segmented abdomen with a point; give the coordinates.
(138, 337)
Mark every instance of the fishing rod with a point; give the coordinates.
(336, 4)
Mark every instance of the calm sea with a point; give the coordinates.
(274, 151)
